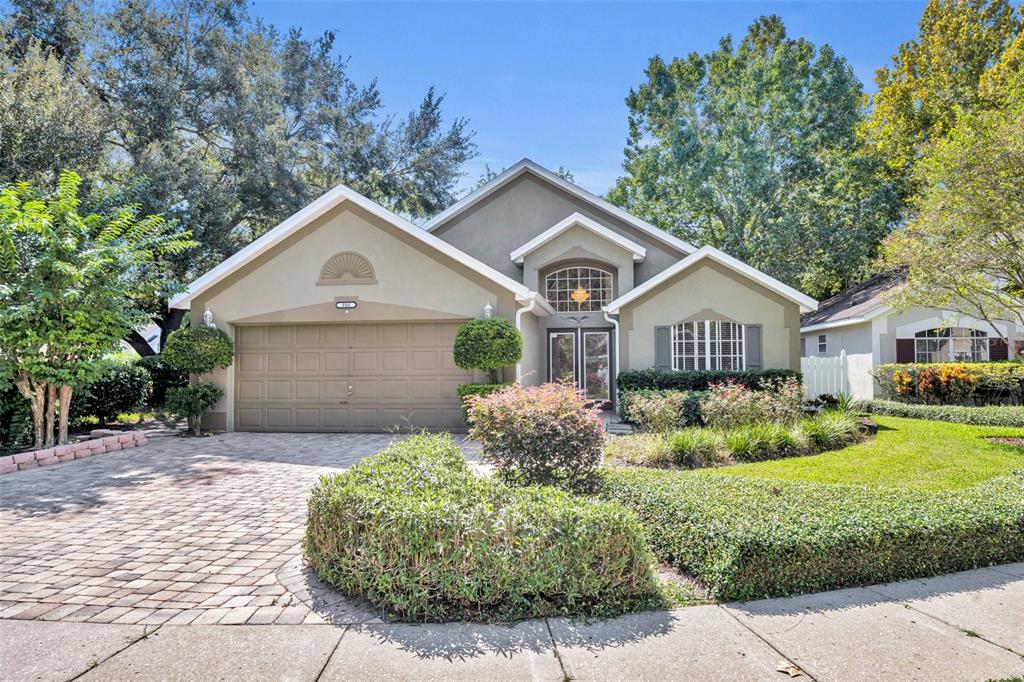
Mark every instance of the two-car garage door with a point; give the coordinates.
(347, 377)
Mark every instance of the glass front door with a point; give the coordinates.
(582, 357)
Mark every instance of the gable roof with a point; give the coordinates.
(579, 220)
(709, 252)
(538, 171)
(857, 304)
(321, 206)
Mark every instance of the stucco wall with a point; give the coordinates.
(412, 283)
(712, 287)
(526, 207)
(578, 243)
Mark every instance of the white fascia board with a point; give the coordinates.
(542, 307)
(846, 322)
(578, 219)
(527, 166)
(314, 210)
(805, 302)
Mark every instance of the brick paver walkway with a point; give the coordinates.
(179, 531)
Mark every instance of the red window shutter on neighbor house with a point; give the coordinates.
(904, 350)
(998, 350)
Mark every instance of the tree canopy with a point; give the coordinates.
(935, 76)
(65, 285)
(963, 248)
(198, 112)
(752, 148)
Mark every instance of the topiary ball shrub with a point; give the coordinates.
(190, 402)
(538, 435)
(198, 350)
(489, 345)
(416, 533)
(120, 387)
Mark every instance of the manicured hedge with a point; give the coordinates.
(990, 415)
(416, 533)
(678, 380)
(747, 538)
(992, 383)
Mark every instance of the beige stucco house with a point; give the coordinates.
(343, 316)
(859, 325)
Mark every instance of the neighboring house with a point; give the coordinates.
(859, 324)
(344, 314)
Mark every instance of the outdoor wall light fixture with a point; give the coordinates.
(488, 310)
(208, 317)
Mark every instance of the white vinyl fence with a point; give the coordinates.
(825, 375)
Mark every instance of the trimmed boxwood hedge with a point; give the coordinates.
(414, 531)
(747, 538)
(680, 380)
(991, 415)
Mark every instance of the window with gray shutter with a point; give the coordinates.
(663, 347)
(754, 360)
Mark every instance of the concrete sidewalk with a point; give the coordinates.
(967, 626)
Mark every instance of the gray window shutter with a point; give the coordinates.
(663, 347)
(752, 343)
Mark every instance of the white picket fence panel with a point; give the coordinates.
(825, 375)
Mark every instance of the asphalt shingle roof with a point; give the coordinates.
(856, 301)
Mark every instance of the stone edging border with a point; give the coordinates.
(66, 453)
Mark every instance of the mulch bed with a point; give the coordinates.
(1007, 440)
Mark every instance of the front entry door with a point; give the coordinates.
(584, 358)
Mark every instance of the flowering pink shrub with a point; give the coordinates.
(538, 434)
(729, 405)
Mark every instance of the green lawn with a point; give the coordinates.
(911, 453)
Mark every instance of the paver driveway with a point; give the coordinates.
(178, 531)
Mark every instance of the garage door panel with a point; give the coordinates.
(307, 335)
(365, 361)
(307, 390)
(250, 362)
(279, 336)
(279, 362)
(335, 361)
(307, 361)
(339, 377)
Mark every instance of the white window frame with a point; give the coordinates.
(710, 349)
(950, 342)
(600, 296)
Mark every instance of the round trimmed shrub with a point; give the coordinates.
(416, 533)
(198, 350)
(190, 402)
(489, 344)
(540, 434)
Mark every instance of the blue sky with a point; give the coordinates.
(548, 80)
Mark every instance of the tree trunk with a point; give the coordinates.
(51, 406)
(65, 413)
(138, 344)
(168, 322)
(36, 395)
(197, 425)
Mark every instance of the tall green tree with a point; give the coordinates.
(66, 281)
(963, 248)
(935, 76)
(752, 148)
(226, 125)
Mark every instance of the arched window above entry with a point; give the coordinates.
(578, 288)
(347, 267)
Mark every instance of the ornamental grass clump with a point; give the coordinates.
(540, 434)
(416, 533)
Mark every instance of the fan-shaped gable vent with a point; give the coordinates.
(347, 267)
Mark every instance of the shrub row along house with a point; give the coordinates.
(860, 324)
(343, 316)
